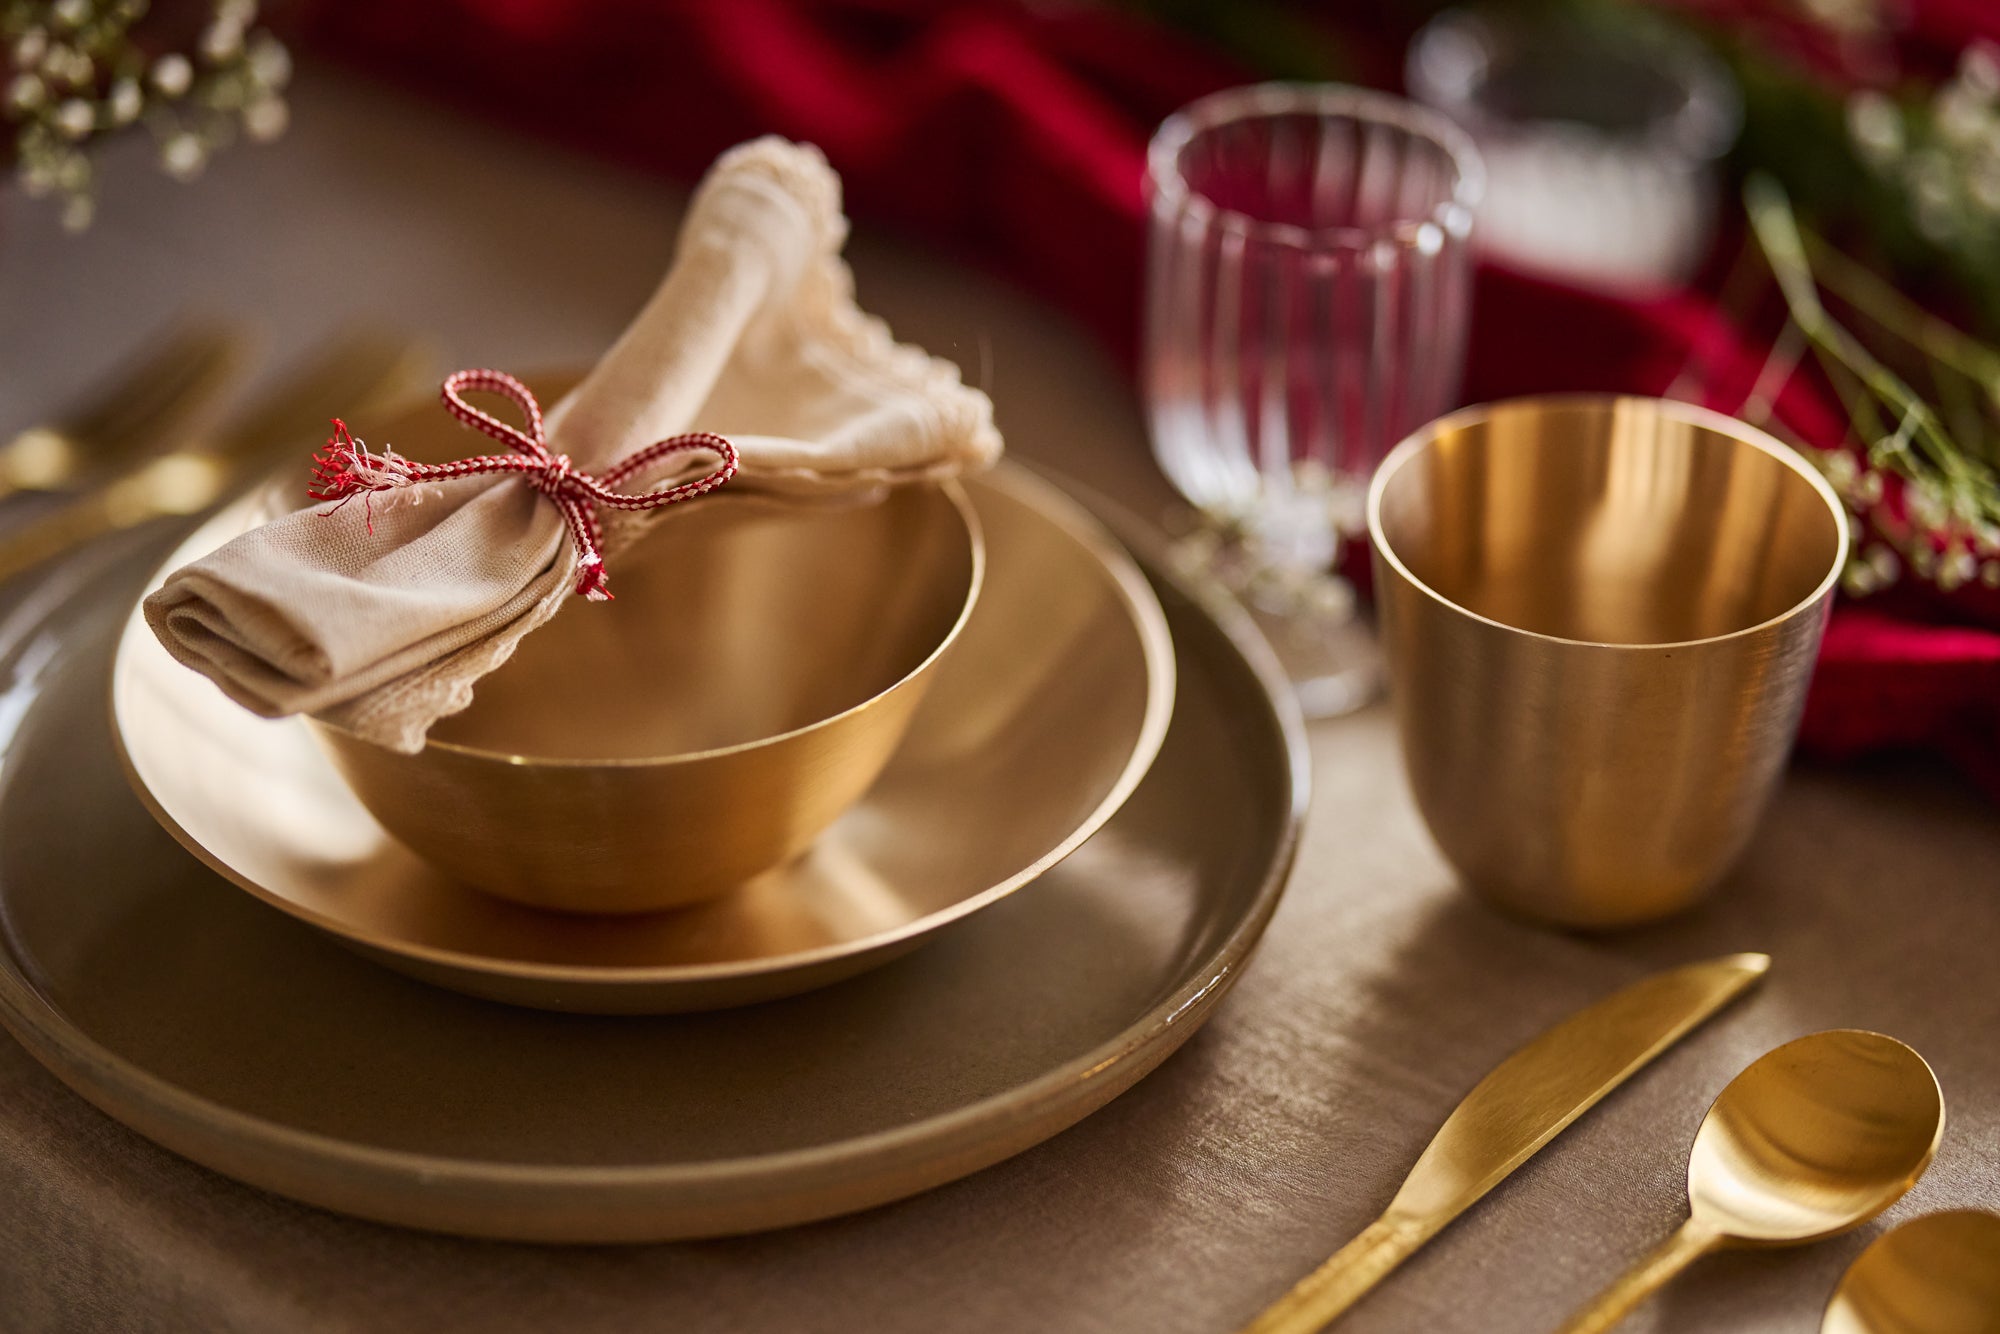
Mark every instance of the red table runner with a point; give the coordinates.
(1015, 135)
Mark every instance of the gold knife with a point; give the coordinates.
(348, 378)
(1528, 1099)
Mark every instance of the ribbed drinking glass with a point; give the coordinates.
(1307, 298)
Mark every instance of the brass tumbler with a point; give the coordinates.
(1600, 615)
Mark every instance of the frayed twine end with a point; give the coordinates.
(344, 468)
(591, 581)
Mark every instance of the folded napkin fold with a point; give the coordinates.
(379, 618)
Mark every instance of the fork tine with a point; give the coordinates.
(357, 373)
(145, 406)
(161, 391)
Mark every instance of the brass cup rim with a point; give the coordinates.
(1414, 444)
(961, 505)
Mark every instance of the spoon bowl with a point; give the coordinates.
(1939, 1274)
(1815, 1137)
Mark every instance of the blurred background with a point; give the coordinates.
(1785, 209)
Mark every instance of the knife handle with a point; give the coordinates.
(1343, 1280)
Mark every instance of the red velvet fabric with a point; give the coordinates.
(1015, 134)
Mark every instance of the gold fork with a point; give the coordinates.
(347, 379)
(150, 404)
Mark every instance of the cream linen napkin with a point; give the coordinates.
(754, 334)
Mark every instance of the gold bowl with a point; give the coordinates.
(758, 667)
(1049, 709)
(1600, 615)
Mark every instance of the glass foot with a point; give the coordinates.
(1327, 648)
(1335, 666)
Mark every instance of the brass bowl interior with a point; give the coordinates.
(1609, 520)
(735, 620)
(733, 623)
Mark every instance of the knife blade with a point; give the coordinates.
(1526, 1101)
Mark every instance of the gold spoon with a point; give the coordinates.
(1939, 1274)
(1814, 1138)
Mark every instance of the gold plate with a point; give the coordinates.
(262, 1049)
(1037, 727)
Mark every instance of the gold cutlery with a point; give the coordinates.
(344, 380)
(1939, 1274)
(1523, 1104)
(148, 407)
(1814, 1138)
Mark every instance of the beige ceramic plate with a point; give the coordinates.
(236, 1036)
(1038, 726)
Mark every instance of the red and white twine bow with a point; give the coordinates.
(345, 469)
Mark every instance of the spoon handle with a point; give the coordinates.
(1687, 1244)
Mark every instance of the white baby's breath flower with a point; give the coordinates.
(1846, 16)
(74, 118)
(30, 47)
(172, 75)
(1928, 506)
(183, 156)
(1979, 69)
(1956, 568)
(1983, 177)
(78, 69)
(1962, 115)
(26, 92)
(221, 41)
(270, 62)
(126, 101)
(1875, 126)
(266, 118)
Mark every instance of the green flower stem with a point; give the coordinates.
(1874, 297)
(1920, 445)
